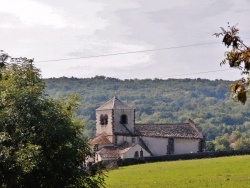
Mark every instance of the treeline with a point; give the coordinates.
(207, 102)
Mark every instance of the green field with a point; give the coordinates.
(217, 172)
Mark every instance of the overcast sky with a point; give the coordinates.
(60, 29)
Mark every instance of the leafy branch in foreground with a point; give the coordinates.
(238, 57)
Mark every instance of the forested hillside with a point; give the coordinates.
(207, 102)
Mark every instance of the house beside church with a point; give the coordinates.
(119, 136)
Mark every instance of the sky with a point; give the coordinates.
(97, 36)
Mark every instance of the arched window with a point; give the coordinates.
(103, 119)
(124, 119)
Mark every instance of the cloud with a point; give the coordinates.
(32, 13)
(58, 29)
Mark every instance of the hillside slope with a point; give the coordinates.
(207, 102)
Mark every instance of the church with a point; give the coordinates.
(119, 136)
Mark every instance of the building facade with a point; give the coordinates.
(118, 135)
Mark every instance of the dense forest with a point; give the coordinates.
(207, 103)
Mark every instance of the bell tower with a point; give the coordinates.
(115, 118)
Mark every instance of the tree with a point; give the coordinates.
(238, 57)
(210, 146)
(235, 135)
(242, 143)
(41, 142)
(222, 143)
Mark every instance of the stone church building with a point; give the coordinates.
(119, 136)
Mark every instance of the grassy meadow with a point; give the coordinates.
(217, 172)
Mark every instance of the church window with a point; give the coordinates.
(104, 119)
(101, 119)
(141, 153)
(115, 140)
(170, 146)
(133, 139)
(95, 147)
(136, 154)
(124, 119)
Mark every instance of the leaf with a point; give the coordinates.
(224, 31)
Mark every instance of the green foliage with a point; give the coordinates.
(236, 140)
(235, 135)
(210, 146)
(207, 102)
(41, 143)
(222, 143)
(242, 143)
(217, 172)
(237, 57)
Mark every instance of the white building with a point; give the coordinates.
(118, 136)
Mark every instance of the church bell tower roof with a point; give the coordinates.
(114, 103)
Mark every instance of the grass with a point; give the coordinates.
(217, 172)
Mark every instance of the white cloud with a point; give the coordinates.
(61, 29)
(32, 13)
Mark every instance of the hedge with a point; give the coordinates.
(189, 156)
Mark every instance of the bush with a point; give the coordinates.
(189, 156)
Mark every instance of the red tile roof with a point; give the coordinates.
(101, 139)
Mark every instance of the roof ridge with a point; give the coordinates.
(191, 123)
(129, 146)
(114, 98)
(114, 103)
(106, 102)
